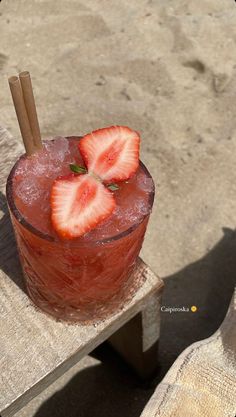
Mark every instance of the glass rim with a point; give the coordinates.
(20, 218)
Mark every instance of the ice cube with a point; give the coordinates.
(145, 183)
(57, 149)
(28, 191)
(39, 169)
(140, 207)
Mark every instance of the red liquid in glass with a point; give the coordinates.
(89, 276)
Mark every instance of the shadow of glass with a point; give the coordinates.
(207, 284)
(9, 260)
(111, 389)
(106, 389)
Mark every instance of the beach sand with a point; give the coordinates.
(167, 69)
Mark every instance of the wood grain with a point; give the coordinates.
(34, 348)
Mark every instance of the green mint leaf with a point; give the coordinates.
(78, 169)
(113, 187)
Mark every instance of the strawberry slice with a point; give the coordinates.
(111, 153)
(78, 204)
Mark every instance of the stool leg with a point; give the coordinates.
(137, 340)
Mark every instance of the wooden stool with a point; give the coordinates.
(35, 349)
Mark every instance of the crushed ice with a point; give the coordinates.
(45, 164)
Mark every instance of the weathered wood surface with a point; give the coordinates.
(35, 349)
(137, 340)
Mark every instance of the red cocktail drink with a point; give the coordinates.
(84, 277)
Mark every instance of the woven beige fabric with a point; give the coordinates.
(202, 381)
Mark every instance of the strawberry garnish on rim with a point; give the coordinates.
(111, 153)
(78, 204)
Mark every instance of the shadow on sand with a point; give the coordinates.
(110, 389)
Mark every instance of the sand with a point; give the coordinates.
(167, 69)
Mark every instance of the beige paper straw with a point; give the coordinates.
(31, 108)
(21, 113)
